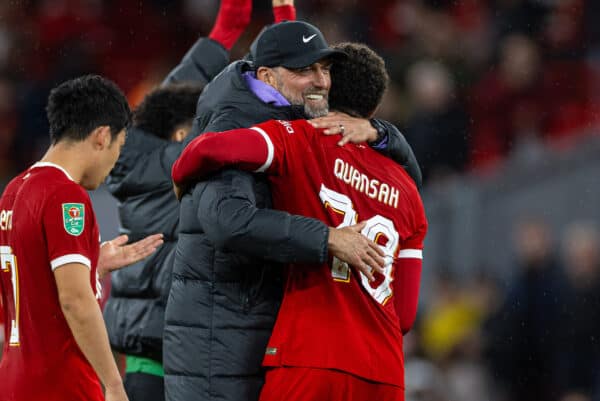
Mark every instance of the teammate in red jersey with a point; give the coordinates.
(338, 335)
(56, 345)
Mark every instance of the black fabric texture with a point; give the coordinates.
(141, 183)
(227, 286)
(144, 387)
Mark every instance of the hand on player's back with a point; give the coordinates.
(350, 246)
(352, 129)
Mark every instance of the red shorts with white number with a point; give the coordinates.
(309, 384)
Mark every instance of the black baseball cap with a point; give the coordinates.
(291, 44)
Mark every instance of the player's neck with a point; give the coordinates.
(72, 157)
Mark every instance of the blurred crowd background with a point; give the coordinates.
(500, 100)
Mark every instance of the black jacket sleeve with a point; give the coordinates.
(229, 215)
(399, 150)
(201, 63)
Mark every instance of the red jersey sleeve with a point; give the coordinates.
(281, 136)
(70, 227)
(258, 149)
(408, 271)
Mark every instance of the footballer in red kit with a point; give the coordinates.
(37, 338)
(331, 317)
(56, 344)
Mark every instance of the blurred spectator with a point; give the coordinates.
(451, 336)
(563, 30)
(467, 375)
(510, 103)
(438, 127)
(518, 16)
(591, 29)
(524, 100)
(578, 347)
(522, 334)
(450, 318)
(424, 380)
(8, 129)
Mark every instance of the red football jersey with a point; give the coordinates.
(331, 316)
(46, 221)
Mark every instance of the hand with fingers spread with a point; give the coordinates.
(115, 254)
(350, 246)
(352, 129)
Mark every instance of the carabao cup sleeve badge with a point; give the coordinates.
(73, 218)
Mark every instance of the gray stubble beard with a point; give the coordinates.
(312, 113)
(308, 110)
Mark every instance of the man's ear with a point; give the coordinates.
(101, 137)
(265, 74)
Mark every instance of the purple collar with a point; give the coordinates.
(265, 92)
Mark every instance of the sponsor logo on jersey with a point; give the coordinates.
(73, 218)
(287, 125)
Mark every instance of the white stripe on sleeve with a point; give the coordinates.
(270, 150)
(411, 253)
(71, 258)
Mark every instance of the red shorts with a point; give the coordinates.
(307, 384)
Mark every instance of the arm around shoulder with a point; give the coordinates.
(395, 146)
(228, 212)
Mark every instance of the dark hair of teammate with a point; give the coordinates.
(358, 82)
(78, 106)
(167, 108)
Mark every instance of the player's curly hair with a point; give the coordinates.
(78, 106)
(359, 81)
(165, 109)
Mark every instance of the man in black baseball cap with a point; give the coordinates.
(294, 58)
(291, 44)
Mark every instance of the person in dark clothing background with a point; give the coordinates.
(526, 325)
(168, 111)
(438, 128)
(578, 348)
(135, 309)
(226, 285)
(141, 182)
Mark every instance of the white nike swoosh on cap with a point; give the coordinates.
(306, 40)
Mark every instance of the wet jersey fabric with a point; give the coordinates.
(50, 223)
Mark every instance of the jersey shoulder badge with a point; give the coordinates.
(73, 218)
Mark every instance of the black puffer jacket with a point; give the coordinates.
(226, 287)
(141, 182)
(223, 302)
